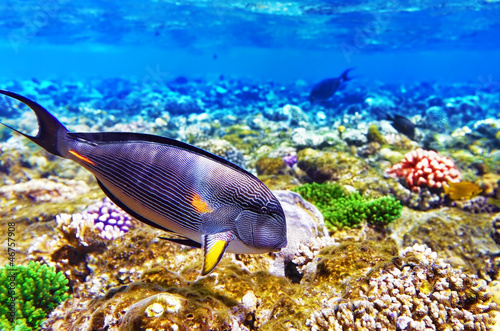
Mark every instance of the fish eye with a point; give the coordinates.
(264, 210)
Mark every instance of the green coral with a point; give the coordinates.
(341, 209)
(36, 290)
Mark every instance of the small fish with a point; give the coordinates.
(326, 88)
(403, 125)
(462, 190)
(209, 202)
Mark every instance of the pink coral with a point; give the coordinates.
(425, 168)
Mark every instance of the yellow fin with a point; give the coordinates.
(446, 188)
(214, 246)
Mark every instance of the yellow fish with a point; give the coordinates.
(462, 190)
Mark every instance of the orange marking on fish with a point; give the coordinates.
(81, 157)
(200, 205)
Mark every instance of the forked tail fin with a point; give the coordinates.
(49, 127)
(344, 77)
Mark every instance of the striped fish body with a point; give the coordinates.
(176, 189)
(206, 200)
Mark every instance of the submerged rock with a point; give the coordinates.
(45, 190)
(306, 235)
(224, 149)
(322, 166)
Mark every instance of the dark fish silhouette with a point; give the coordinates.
(208, 201)
(403, 125)
(326, 88)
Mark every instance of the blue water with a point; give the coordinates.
(396, 41)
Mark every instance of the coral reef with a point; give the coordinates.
(302, 138)
(354, 137)
(476, 205)
(425, 199)
(45, 190)
(131, 281)
(495, 231)
(392, 156)
(414, 292)
(183, 104)
(326, 166)
(242, 137)
(490, 183)
(37, 290)
(306, 236)
(290, 160)
(69, 245)
(436, 119)
(271, 166)
(224, 149)
(290, 115)
(124, 277)
(347, 210)
(422, 168)
(462, 239)
(375, 135)
(395, 292)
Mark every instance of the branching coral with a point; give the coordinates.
(341, 209)
(38, 290)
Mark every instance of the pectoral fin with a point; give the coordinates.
(214, 246)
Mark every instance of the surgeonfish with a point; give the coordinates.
(327, 87)
(402, 125)
(462, 190)
(207, 201)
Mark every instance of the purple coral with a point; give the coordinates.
(111, 220)
(290, 160)
(476, 205)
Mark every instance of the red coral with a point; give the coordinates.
(425, 168)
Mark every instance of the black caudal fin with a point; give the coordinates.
(49, 127)
(344, 77)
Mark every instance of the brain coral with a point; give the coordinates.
(414, 292)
